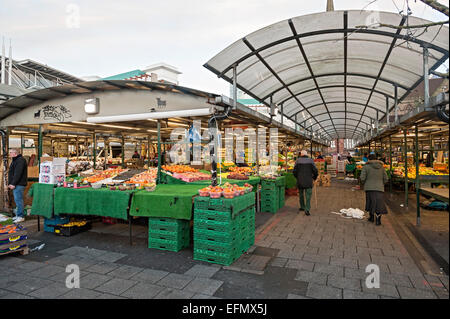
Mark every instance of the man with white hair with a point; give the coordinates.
(17, 181)
(305, 171)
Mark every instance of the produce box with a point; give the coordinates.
(73, 228)
(13, 238)
(57, 220)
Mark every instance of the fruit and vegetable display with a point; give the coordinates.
(227, 190)
(425, 171)
(144, 178)
(179, 169)
(186, 173)
(237, 176)
(101, 176)
(241, 170)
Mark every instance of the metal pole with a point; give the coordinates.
(390, 163)
(406, 166)
(425, 77)
(148, 151)
(40, 146)
(234, 86)
(387, 111)
(158, 179)
(94, 149)
(396, 103)
(282, 113)
(22, 142)
(417, 175)
(123, 151)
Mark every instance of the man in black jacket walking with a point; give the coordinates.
(17, 180)
(305, 171)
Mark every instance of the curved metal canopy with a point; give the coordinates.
(327, 74)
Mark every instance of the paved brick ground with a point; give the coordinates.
(319, 256)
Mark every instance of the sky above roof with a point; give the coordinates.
(103, 38)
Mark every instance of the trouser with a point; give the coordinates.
(18, 199)
(305, 203)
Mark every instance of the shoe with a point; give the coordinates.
(307, 213)
(371, 218)
(378, 220)
(18, 220)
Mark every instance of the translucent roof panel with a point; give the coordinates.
(313, 62)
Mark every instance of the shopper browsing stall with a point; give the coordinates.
(17, 180)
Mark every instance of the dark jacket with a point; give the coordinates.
(374, 176)
(17, 174)
(305, 171)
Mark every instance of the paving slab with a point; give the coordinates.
(48, 271)
(116, 286)
(312, 277)
(103, 267)
(323, 292)
(384, 290)
(204, 286)
(150, 276)
(202, 271)
(125, 271)
(93, 280)
(299, 264)
(143, 291)
(29, 284)
(329, 269)
(50, 292)
(80, 293)
(173, 293)
(176, 281)
(344, 283)
(353, 294)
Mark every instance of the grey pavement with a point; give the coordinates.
(322, 256)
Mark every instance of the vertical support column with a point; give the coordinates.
(417, 174)
(431, 150)
(94, 149)
(234, 86)
(282, 113)
(406, 165)
(76, 148)
(22, 143)
(40, 133)
(426, 77)
(106, 151)
(123, 151)
(387, 111)
(390, 163)
(158, 178)
(395, 103)
(148, 151)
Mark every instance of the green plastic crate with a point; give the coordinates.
(235, 205)
(215, 258)
(167, 235)
(167, 224)
(217, 247)
(204, 234)
(225, 227)
(202, 214)
(169, 245)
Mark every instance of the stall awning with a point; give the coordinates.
(330, 75)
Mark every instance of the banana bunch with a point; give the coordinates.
(78, 224)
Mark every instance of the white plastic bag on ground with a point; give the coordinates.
(351, 213)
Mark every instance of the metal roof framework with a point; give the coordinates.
(326, 73)
(243, 115)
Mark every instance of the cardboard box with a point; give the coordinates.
(33, 171)
(51, 179)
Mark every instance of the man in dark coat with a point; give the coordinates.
(305, 171)
(17, 181)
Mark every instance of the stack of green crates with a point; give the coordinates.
(272, 194)
(168, 233)
(222, 234)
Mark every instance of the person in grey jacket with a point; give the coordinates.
(305, 171)
(373, 176)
